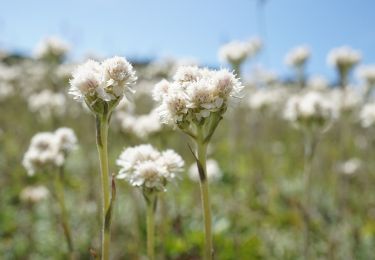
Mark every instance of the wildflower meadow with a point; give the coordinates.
(120, 158)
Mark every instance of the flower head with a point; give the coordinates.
(48, 150)
(298, 56)
(144, 166)
(343, 58)
(196, 94)
(236, 52)
(367, 115)
(52, 48)
(103, 83)
(34, 194)
(367, 74)
(310, 109)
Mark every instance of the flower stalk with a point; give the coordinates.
(151, 200)
(309, 151)
(102, 121)
(205, 196)
(59, 189)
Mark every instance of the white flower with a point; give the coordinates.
(51, 46)
(267, 98)
(367, 115)
(298, 56)
(144, 166)
(47, 104)
(345, 100)
(214, 172)
(309, 109)
(34, 194)
(160, 90)
(343, 57)
(48, 150)
(367, 74)
(236, 52)
(44, 150)
(197, 93)
(66, 138)
(106, 81)
(317, 83)
(119, 76)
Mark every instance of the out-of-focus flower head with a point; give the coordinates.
(309, 110)
(318, 82)
(298, 56)
(367, 115)
(144, 166)
(236, 52)
(34, 194)
(350, 166)
(52, 48)
(48, 150)
(367, 74)
(47, 104)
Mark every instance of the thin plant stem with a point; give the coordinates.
(150, 219)
(309, 151)
(59, 189)
(205, 196)
(102, 145)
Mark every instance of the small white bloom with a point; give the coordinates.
(66, 138)
(343, 57)
(367, 115)
(311, 108)
(317, 83)
(144, 166)
(34, 194)
(367, 74)
(51, 46)
(106, 81)
(298, 56)
(48, 150)
(47, 104)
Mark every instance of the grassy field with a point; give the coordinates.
(258, 203)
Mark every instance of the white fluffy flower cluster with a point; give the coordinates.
(267, 98)
(51, 47)
(144, 166)
(344, 58)
(195, 94)
(367, 74)
(236, 52)
(367, 115)
(214, 172)
(141, 126)
(107, 81)
(317, 83)
(310, 109)
(345, 100)
(298, 56)
(47, 104)
(34, 194)
(49, 149)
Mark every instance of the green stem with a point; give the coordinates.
(59, 189)
(102, 137)
(310, 144)
(205, 196)
(151, 206)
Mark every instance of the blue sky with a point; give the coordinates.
(192, 28)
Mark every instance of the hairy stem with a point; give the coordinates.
(102, 137)
(151, 206)
(205, 196)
